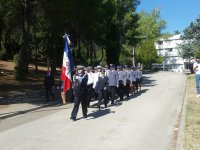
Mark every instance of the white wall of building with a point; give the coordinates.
(168, 48)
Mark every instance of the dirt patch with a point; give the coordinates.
(32, 82)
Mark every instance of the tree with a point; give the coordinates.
(9, 24)
(147, 54)
(197, 53)
(191, 38)
(150, 29)
(186, 50)
(101, 31)
(122, 32)
(177, 32)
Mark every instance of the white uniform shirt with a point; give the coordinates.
(90, 78)
(113, 77)
(128, 75)
(96, 76)
(133, 75)
(122, 76)
(138, 74)
(197, 70)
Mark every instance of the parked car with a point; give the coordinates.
(165, 69)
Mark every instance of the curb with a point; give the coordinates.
(177, 138)
(180, 139)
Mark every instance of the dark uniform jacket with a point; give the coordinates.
(49, 81)
(80, 84)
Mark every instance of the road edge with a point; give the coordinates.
(178, 135)
(22, 112)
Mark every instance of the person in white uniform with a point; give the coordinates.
(122, 82)
(128, 80)
(96, 76)
(89, 84)
(139, 79)
(112, 82)
(133, 80)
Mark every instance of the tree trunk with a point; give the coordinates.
(53, 64)
(1, 30)
(91, 53)
(7, 41)
(23, 54)
(79, 57)
(35, 40)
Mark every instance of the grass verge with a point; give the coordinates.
(192, 122)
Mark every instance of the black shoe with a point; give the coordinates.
(85, 116)
(74, 119)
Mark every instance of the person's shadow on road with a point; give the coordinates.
(99, 113)
(137, 94)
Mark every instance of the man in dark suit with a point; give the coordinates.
(48, 84)
(80, 92)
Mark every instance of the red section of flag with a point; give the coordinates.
(67, 82)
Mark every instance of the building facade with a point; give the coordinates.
(168, 48)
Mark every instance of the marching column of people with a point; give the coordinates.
(103, 84)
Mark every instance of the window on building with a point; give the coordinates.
(160, 42)
(170, 49)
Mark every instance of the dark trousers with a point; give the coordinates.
(90, 90)
(120, 90)
(77, 100)
(127, 89)
(112, 91)
(70, 95)
(133, 87)
(103, 94)
(136, 85)
(48, 90)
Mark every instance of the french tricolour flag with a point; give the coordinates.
(68, 65)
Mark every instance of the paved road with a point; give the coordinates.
(145, 122)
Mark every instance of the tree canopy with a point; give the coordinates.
(150, 29)
(34, 29)
(191, 37)
(102, 32)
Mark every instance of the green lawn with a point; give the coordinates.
(192, 124)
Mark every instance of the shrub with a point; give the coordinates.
(19, 72)
(16, 59)
(3, 54)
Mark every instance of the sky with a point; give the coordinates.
(177, 13)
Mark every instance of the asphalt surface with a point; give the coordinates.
(144, 122)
